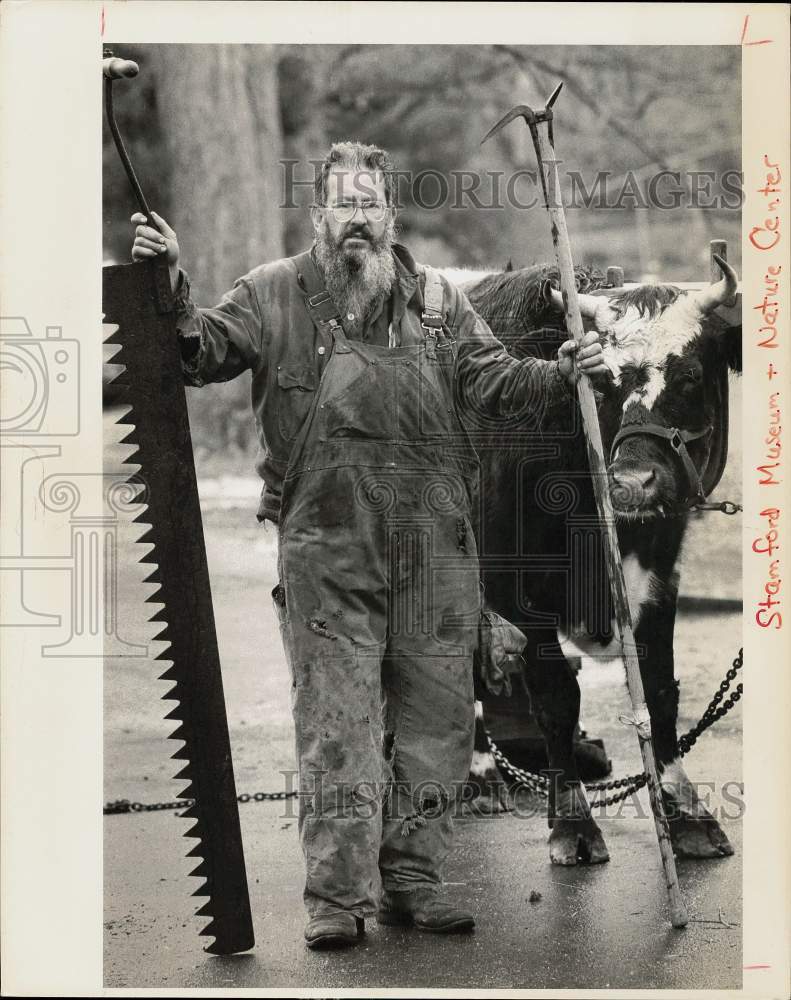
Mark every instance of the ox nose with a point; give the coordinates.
(633, 487)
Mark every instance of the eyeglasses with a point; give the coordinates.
(374, 212)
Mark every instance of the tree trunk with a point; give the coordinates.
(218, 110)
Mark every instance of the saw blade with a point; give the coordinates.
(145, 375)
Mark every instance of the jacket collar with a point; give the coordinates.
(406, 279)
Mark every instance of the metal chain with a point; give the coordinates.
(724, 506)
(125, 806)
(631, 784)
(535, 782)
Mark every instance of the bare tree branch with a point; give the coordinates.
(652, 154)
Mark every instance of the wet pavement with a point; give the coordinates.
(599, 927)
(596, 927)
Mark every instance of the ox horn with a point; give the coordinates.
(720, 292)
(589, 304)
(595, 307)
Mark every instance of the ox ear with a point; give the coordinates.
(731, 341)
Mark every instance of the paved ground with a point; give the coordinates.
(599, 927)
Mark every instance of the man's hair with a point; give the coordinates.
(356, 156)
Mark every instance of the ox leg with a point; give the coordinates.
(695, 833)
(487, 792)
(574, 835)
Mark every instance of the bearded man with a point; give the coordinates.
(360, 361)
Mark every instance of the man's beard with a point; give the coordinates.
(356, 278)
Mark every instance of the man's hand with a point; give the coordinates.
(588, 354)
(151, 242)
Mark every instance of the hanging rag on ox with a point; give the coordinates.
(137, 303)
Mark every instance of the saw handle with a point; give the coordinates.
(118, 69)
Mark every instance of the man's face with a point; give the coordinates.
(356, 216)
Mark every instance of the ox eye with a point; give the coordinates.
(690, 377)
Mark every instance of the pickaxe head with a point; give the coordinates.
(530, 116)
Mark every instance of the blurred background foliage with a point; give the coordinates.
(215, 133)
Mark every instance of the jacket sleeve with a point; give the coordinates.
(490, 383)
(220, 343)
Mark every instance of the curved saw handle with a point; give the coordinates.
(114, 68)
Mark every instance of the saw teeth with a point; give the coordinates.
(122, 367)
(129, 436)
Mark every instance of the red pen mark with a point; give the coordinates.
(764, 41)
(749, 968)
(102, 21)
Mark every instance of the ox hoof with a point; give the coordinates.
(694, 837)
(486, 793)
(694, 832)
(577, 841)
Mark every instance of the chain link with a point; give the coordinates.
(724, 506)
(535, 782)
(125, 806)
(632, 783)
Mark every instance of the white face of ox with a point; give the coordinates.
(642, 343)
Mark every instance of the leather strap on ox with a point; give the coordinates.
(678, 441)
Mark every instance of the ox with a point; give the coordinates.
(663, 415)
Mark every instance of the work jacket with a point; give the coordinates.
(263, 325)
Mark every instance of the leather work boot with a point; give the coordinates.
(424, 910)
(335, 929)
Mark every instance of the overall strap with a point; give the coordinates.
(325, 314)
(433, 298)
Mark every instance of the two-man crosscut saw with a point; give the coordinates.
(137, 303)
(550, 184)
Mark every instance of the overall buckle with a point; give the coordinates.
(432, 324)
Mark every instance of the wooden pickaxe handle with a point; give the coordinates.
(550, 182)
(612, 552)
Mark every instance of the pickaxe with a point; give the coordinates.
(550, 184)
